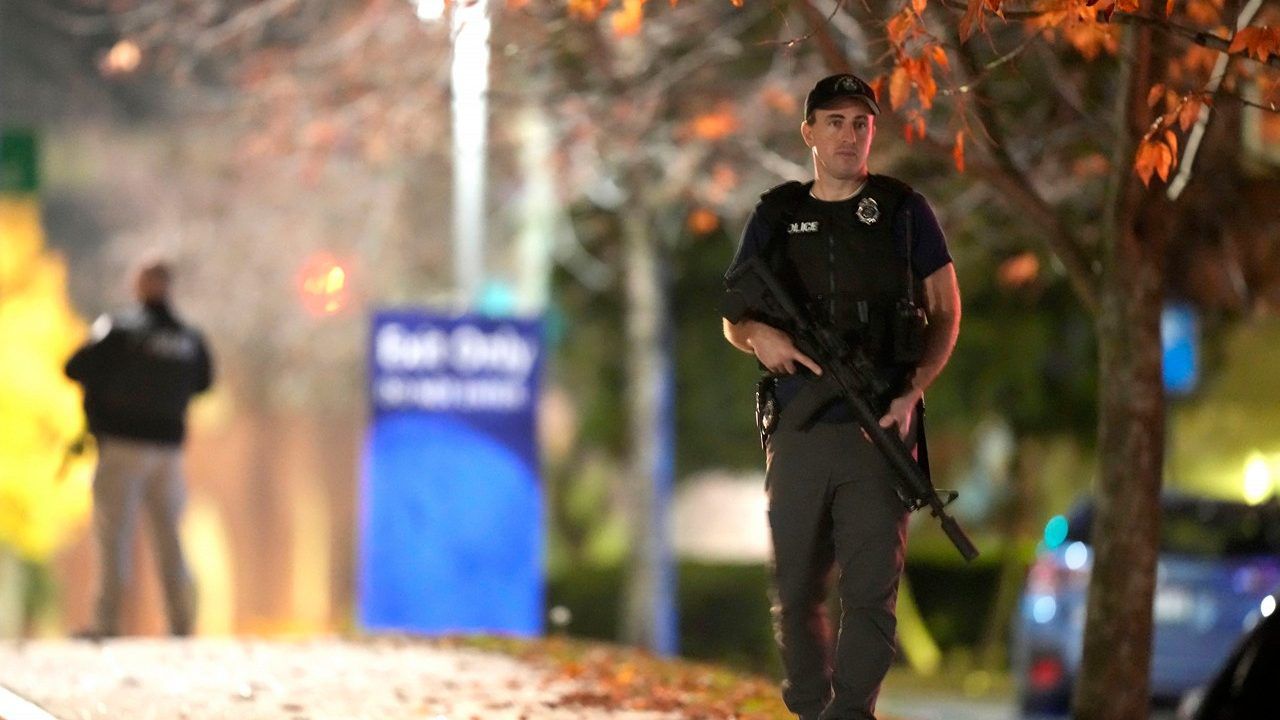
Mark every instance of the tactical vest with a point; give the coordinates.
(848, 272)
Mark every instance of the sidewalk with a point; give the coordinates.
(323, 679)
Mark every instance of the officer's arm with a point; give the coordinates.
(85, 365)
(771, 346)
(942, 304)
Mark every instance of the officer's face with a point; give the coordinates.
(840, 138)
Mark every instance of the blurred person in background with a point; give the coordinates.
(863, 254)
(139, 370)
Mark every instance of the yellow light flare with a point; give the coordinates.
(44, 488)
(1258, 483)
(325, 284)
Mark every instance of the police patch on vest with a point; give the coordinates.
(868, 211)
(802, 227)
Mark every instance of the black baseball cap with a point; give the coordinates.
(839, 86)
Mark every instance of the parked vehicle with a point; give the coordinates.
(1244, 688)
(1219, 562)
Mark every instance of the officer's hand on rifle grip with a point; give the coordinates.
(777, 352)
(900, 411)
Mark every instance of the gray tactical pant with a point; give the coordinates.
(831, 504)
(134, 474)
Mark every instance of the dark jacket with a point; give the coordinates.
(139, 371)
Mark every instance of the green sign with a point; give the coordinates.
(18, 161)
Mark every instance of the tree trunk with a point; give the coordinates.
(648, 612)
(1114, 680)
(1015, 525)
(1118, 631)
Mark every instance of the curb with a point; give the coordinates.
(16, 707)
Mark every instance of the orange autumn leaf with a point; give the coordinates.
(1166, 161)
(715, 125)
(1257, 41)
(723, 180)
(779, 99)
(1207, 13)
(920, 125)
(1091, 38)
(1091, 165)
(957, 152)
(919, 6)
(1154, 158)
(625, 675)
(1172, 141)
(1154, 95)
(939, 55)
(1145, 162)
(1200, 59)
(627, 21)
(877, 87)
(902, 26)
(1020, 270)
(1268, 88)
(1168, 8)
(702, 222)
(899, 86)
(971, 20)
(926, 87)
(587, 10)
(1189, 113)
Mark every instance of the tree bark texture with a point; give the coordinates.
(1114, 679)
(1118, 630)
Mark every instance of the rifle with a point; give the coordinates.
(856, 381)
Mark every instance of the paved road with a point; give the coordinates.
(954, 708)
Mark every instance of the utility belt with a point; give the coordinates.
(785, 395)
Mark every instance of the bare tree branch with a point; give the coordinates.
(816, 19)
(1202, 120)
(102, 23)
(1017, 186)
(250, 18)
(984, 71)
(1199, 37)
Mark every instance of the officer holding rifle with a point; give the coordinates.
(862, 257)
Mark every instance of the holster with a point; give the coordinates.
(766, 409)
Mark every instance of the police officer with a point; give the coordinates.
(863, 253)
(138, 370)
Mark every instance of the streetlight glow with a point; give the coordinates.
(430, 10)
(1257, 479)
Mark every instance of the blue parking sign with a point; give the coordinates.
(451, 519)
(1180, 339)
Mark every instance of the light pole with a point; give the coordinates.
(470, 87)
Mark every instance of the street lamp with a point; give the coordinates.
(470, 87)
